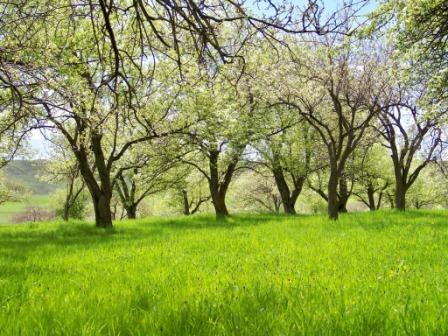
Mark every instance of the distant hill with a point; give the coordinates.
(26, 172)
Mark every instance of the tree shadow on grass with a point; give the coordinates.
(20, 242)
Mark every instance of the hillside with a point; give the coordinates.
(26, 172)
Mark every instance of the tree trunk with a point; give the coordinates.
(343, 195)
(65, 214)
(342, 206)
(131, 211)
(186, 203)
(400, 195)
(101, 193)
(219, 203)
(289, 206)
(333, 199)
(68, 200)
(283, 189)
(101, 206)
(371, 197)
(218, 190)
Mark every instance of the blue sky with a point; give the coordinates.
(333, 4)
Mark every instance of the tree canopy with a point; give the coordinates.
(143, 97)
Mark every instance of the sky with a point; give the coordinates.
(39, 146)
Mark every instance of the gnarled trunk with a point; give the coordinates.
(218, 189)
(289, 207)
(333, 198)
(371, 197)
(101, 193)
(219, 203)
(101, 207)
(400, 187)
(288, 197)
(342, 207)
(283, 189)
(131, 211)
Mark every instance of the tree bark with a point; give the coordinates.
(218, 189)
(283, 189)
(68, 199)
(342, 206)
(219, 203)
(288, 197)
(131, 211)
(101, 193)
(371, 197)
(186, 203)
(343, 194)
(101, 206)
(400, 195)
(289, 207)
(333, 199)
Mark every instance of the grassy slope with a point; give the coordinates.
(383, 273)
(27, 172)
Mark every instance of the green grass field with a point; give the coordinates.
(10, 209)
(368, 274)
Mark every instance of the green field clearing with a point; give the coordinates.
(383, 273)
(9, 209)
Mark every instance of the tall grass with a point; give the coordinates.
(384, 273)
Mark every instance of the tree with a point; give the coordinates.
(146, 173)
(11, 191)
(64, 168)
(412, 135)
(86, 95)
(338, 94)
(218, 141)
(76, 209)
(258, 192)
(95, 71)
(190, 189)
(429, 190)
(288, 155)
(411, 120)
(372, 175)
(419, 33)
(318, 182)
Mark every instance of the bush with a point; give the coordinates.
(78, 208)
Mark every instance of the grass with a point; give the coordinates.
(368, 274)
(9, 209)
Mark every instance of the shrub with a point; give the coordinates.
(78, 208)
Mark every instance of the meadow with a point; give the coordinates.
(9, 210)
(381, 273)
